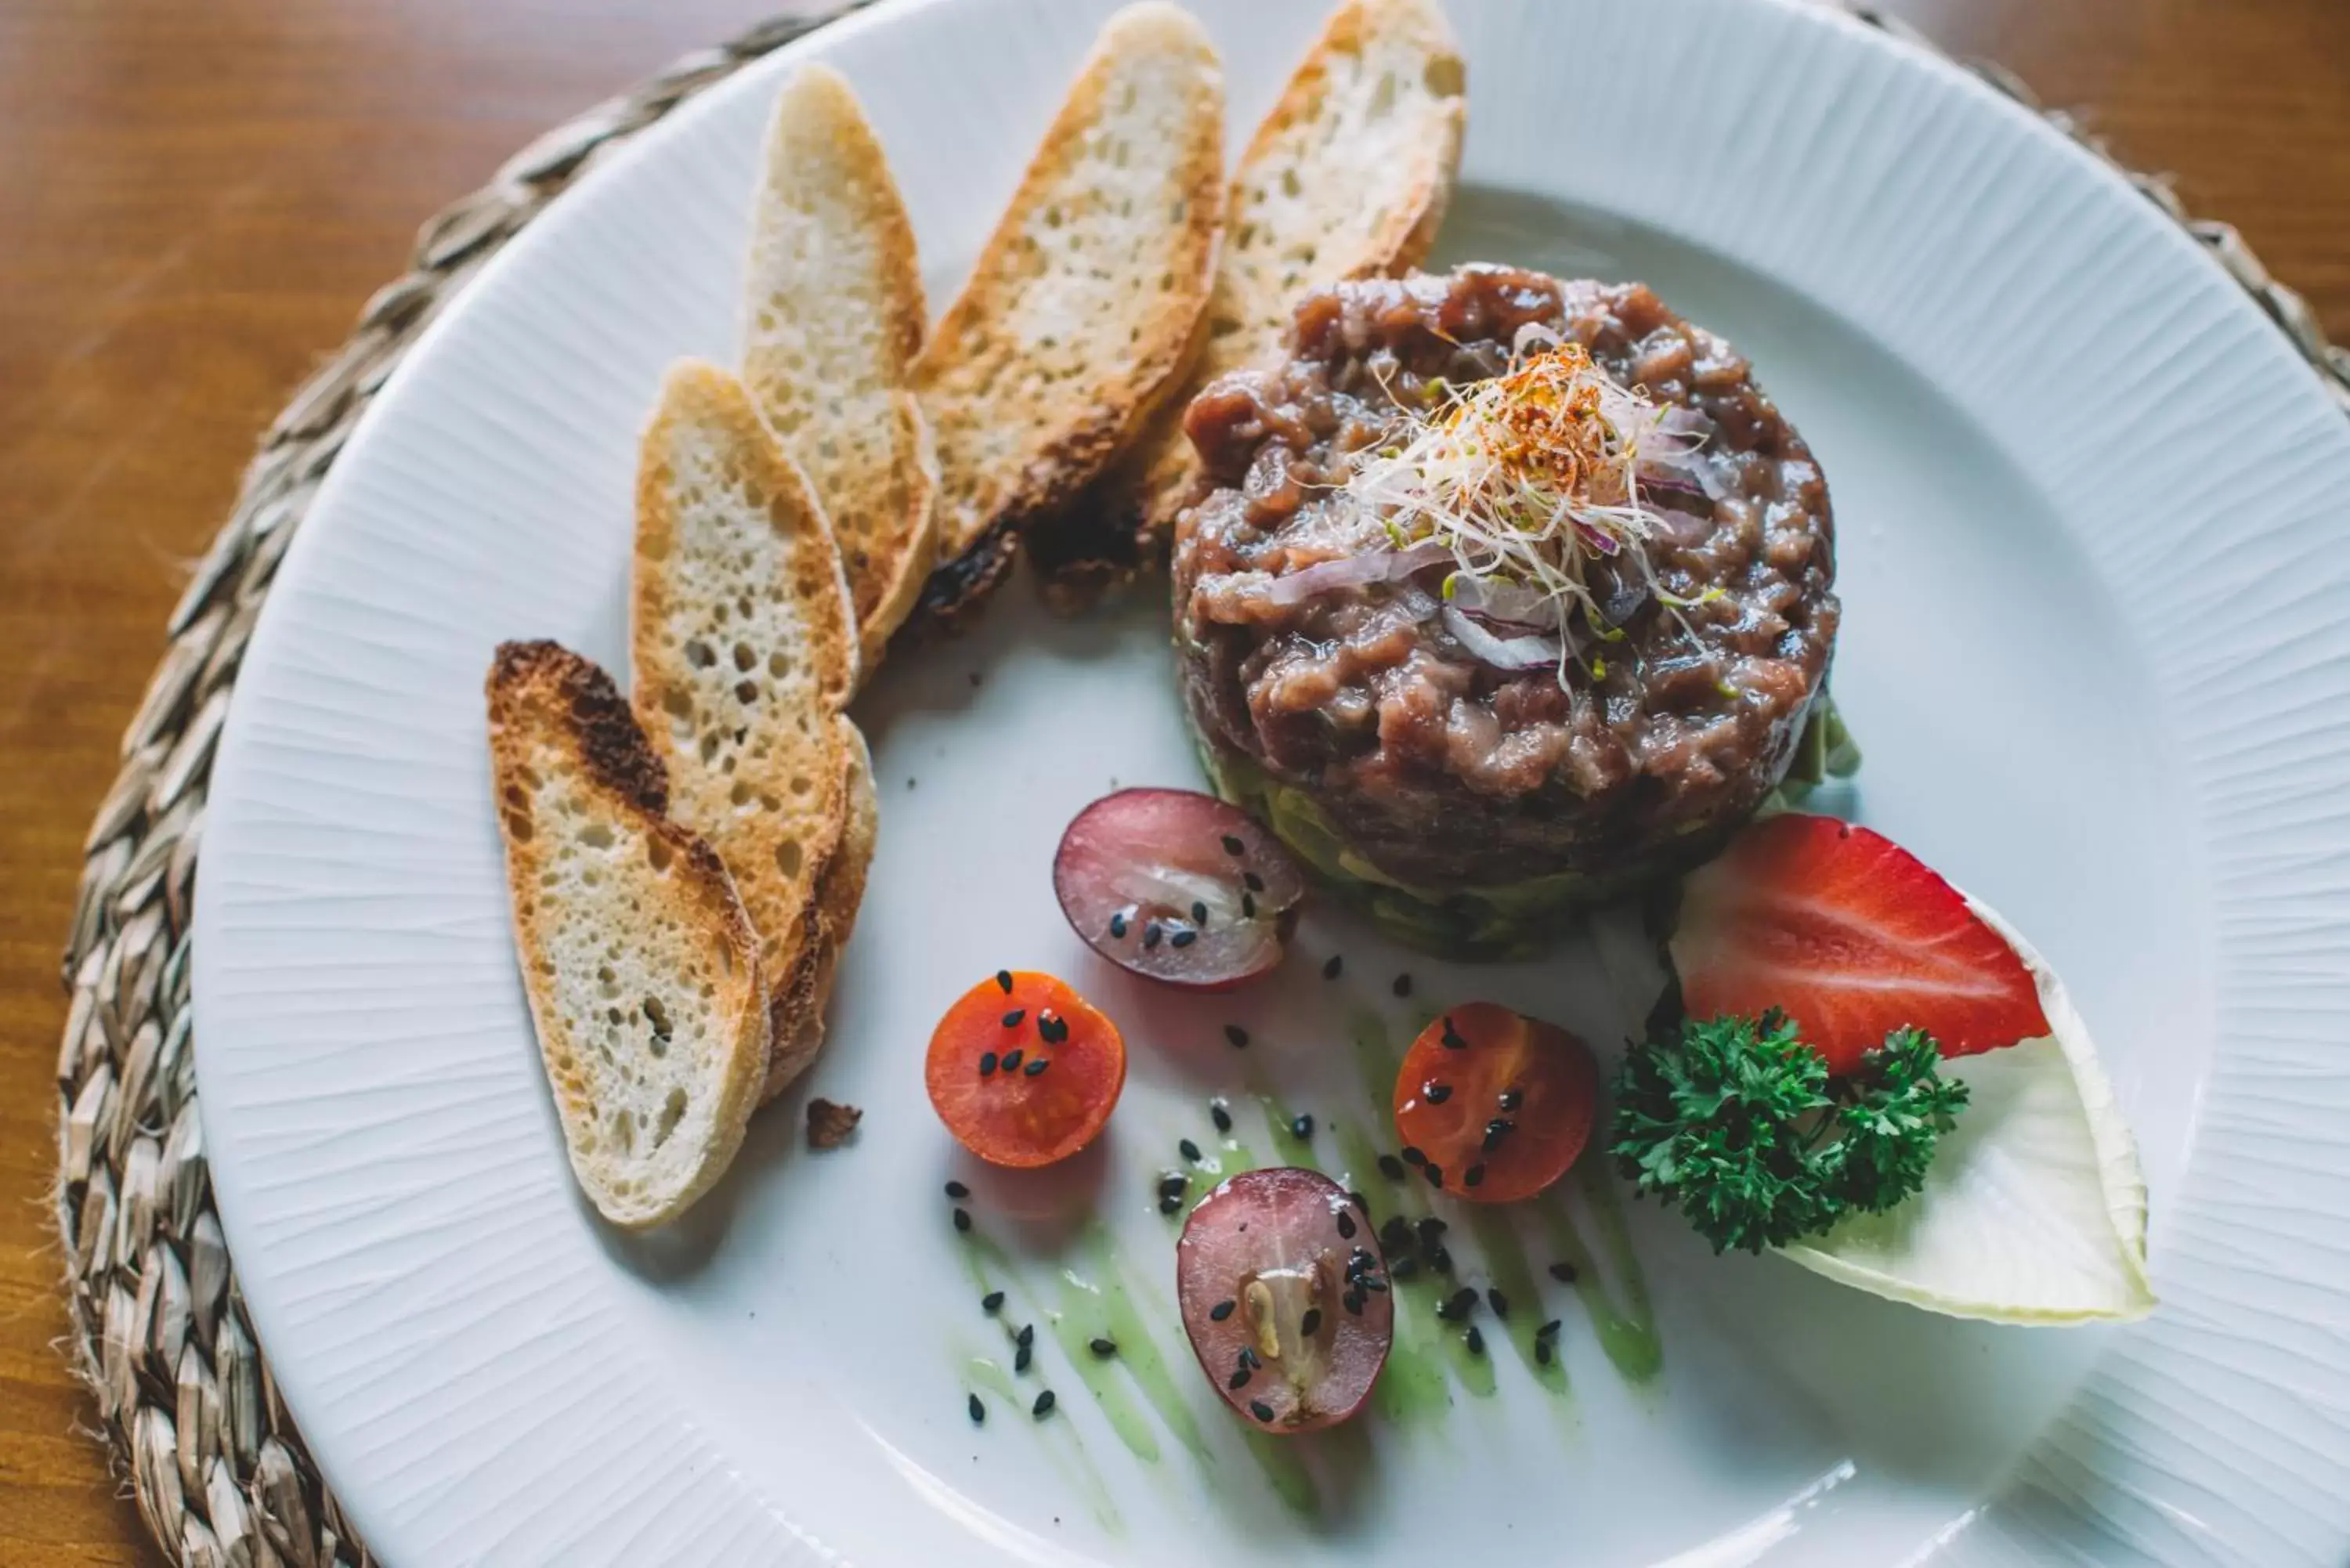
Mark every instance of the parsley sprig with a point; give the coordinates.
(1737, 1121)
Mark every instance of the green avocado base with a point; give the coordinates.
(1510, 920)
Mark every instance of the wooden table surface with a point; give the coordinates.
(195, 199)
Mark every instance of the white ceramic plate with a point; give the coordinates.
(2093, 571)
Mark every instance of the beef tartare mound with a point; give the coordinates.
(1510, 594)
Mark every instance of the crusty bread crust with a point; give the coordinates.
(600, 882)
(797, 1026)
(1348, 176)
(1086, 304)
(744, 648)
(833, 319)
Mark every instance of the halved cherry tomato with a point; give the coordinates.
(1494, 1106)
(985, 1083)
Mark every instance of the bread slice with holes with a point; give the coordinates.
(798, 1022)
(1348, 176)
(833, 319)
(640, 965)
(745, 646)
(1086, 304)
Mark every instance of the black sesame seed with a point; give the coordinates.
(1240, 1377)
(1371, 1282)
(1353, 1302)
(1021, 1357)
(1391, 1167)
(957, 1190)
(1104, 1347)
(1260, 1410)
(1012, 1060)
(1300, 1127)
(1436, 1094)
(1564, 1273)
(1404, 1268)
(1548, 1330)
(1462, 1302)
(1035, 1065)
(1440, 1260)
(1184, 938)
(1252, 882)
(1043, 1405)
(1452, 1040)
(1346, 1226)
(1052, 1028)
(992, 1301)
(963, 1219)
(1027, 1337)
(1237, 1035)
(1475, 1340)
(1188, 1150)
(1003, 981)
(1220, 1311)
(1151, 935)
(1199, 913)
(986, 1063)
(1220, 1116)
(1542, 1352)
(978, 1411)
(1474, 1177)
(1233, 845)
(1355, 1195)
(1403, 985)
(1311, 1323)
(1333, 966)
(1513, 1099)
(1434, 1172)
(1117, 925)
(1396, 1234)
(1249, 1359)
(1248, 906)
(1431, 1231)
(1169, 1204)
(1497, 1301)
(1174, 1184)
(1411, 1156)
(1011, 1019)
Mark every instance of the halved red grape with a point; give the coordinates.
(1284, 1297)
(1178, 887)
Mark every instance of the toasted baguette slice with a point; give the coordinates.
(1086, 304)
(640, 965)
(833, 315)
(745, 646)
(798, 1022)
(1348, 177)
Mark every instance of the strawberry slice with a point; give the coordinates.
(1852, 936)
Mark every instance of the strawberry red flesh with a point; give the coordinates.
(1852, 936)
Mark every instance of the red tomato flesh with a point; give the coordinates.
(984, 1079)
(1493, 1105)
(1285, 1298)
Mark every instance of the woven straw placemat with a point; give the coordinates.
(191, 1414)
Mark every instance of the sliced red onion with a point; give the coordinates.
(1353, 571)
(1506, 603)
(1660, 467)
(1503, 652)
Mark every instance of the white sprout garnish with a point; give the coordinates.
(1530, 476)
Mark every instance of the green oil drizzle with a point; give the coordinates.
(1062, 1443)
(1628, 1335)
(1138, 1347)
(1280, 1117)
(1513, 1276)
